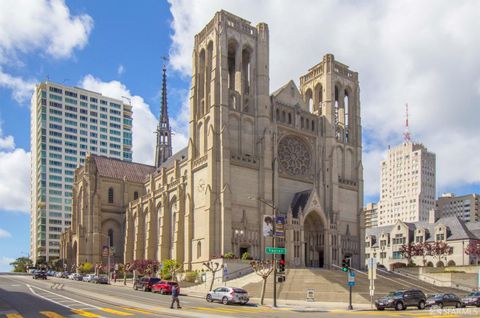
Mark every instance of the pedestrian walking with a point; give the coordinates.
(175, 293)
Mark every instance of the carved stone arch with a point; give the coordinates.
(309, 99)
(205, 134)
(349, 164)
(232, 47)
(320, 213)
(318, 95)
(340, 159)
(199, 140)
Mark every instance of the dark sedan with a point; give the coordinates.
(401, 299)
(444, 300)
(472, 299)
(100, 279)
(145, 283)
(39, 274)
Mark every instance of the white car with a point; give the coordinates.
(88, 278)
(228, 295)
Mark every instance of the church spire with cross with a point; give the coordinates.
(164, 134)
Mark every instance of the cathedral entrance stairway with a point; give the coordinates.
(331, 286)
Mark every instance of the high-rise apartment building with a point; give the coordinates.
(370, 212)
(466, 207)
(66, 124)
(407, 185)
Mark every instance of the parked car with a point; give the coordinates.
(88, 278)
(39, 274)
(99, 279)
(227, 295)
(62, 274)
(472, 299)
(443, 300)
(145, 283)
(401, 299)
(164, 287)
(76, 276)
(51, 273)
(71, 276)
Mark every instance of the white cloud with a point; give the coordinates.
(120, 70)
(144, 122)
(40, 26)
(14, 177)
(4, 233)
(422, 53)
(5, 263)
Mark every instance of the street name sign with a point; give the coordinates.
(275, 250)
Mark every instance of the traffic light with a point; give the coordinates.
(346, 264)
(281, 266)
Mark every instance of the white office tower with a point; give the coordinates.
(407, 184)
(66, 124)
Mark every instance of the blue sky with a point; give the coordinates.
(424, 53)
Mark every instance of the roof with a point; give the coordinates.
(299, 200)
(118, 169)
(180, 155)
(456, 229)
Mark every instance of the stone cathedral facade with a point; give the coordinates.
(298, 149)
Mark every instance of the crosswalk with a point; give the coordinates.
(124, 311)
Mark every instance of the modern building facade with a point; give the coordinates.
(407, 184)
(297, 149)
(384, 242)
(370, 212)
(466, 207)
(67, 123)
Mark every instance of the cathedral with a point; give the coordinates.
(296, 152)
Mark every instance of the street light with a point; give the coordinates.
(274, 208)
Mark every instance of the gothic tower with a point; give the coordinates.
(164, 134)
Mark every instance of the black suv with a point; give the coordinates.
(472, 299)
(39, 274)
(401, 299)
(145, 283)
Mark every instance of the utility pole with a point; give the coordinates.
(274, 259)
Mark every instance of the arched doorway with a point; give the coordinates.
(314, 240)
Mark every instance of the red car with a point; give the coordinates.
(164, 287)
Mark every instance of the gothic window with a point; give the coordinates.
(110, 195)
(232, 50)
(246, 69)
(278, 114)
(337, 130)
(294, 156)
(346, 105)
(201, 82)
(289, 118)
(110, 236)
(135, 195)
(309, 99)
(199, 249)
(284, 116)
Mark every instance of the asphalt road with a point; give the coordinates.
(22, 296)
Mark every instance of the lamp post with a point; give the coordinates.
(274, 263)
(108, 256)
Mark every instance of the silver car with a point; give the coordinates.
(88, 278)
(228, 295)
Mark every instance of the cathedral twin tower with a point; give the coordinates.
(296, 149)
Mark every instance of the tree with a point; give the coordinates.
(262, 269)
(424, 249)
(21, 264)
(441, 249)
(473, 248)
(145, 266)
(408, 251)
(213, 267)
(86, 268)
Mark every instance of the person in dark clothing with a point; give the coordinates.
(175, 293)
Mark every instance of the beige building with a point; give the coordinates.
(384, 242)
(298, 149)
(407, 185)
(102, 190)
(370, 212)
(466, 207)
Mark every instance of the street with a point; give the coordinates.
(21, 296)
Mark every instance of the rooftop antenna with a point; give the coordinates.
(165, 61)
(406, 134)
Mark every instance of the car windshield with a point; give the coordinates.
(154, 280)
(394, 294)
(239, 290)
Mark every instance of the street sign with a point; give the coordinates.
(279, 226)
(310, 294)
(105, 251)
(351, 283)
(372, 268)
(351, 279)
(275, 250)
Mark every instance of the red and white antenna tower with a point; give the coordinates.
(406, 134)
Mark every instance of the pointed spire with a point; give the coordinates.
(164, 134)
(406, 133)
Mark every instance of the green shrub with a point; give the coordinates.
(246, 256)
(190, 277)
(229, 256)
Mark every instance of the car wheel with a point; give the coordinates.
(399, 306)
(209, 298)
(225, 300)
(458, 305)
(440, 305)
(162, 291)
(135, 287)
(244, 302)
(380, 308)
(421, 305)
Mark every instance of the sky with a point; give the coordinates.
(421, 52)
